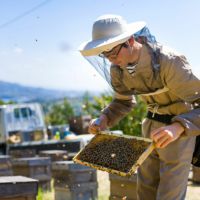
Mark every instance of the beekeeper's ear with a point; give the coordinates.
(131, 41)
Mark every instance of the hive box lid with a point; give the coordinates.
(70, 166)
(17, 186)
(35, 161)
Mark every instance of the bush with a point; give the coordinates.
(131, 124)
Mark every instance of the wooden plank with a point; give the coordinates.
(34, 161)
(148, 151)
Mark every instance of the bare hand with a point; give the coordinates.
(167, 134)
(98, 124)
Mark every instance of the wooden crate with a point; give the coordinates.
(67, 172)
(5, 165)
(123, 187)
(55, 155)
(82, 191)
(38, 168)
(18, 188)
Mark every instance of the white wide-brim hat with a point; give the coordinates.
(108, 31)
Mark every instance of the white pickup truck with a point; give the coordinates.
(21, 123)
(23, 131)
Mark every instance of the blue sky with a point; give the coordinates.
(39, 39)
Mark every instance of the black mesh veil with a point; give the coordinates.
(102, 65)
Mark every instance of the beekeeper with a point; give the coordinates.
(134, 63)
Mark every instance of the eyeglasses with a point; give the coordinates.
(113, 53)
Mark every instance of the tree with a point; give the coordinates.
(87, 106)
(131, 124)
(4, 103)
(60, 113)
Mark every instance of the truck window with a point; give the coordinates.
(25, 112)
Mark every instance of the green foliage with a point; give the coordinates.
(131, 124)
(60, 113)
(102, 102)
(4, 103)
(1, 102)
(87, 106)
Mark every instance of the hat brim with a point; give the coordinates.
(95, 47)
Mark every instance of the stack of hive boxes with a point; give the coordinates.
(18, 188)
(73, 181)
(5, 165)
(123, 187)
(37, 168)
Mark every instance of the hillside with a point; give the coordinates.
(21, 93)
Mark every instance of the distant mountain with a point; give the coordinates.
(20, 93)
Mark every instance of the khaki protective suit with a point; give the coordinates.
(174, 90)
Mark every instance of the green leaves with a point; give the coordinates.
(131, 124)
(60, 113)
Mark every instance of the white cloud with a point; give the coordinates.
(18, 50)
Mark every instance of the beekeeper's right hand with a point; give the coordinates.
(98, 124)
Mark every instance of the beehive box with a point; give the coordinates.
(22, 153)
(5, 165)
(123, 187)
(117, 154)
(37, 168)
(18, 188)
(69, 173)
(55, 155)
(81, 191)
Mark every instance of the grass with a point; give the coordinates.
(46, 195)
(193, 190)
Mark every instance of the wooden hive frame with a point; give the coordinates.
(106, 135)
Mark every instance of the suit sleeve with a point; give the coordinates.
(180, 80)
(121, 104)
(118, 108)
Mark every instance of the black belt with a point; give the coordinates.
(160, 118)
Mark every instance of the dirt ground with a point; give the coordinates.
(193, 190)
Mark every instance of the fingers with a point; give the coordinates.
(155, 133)
(161, 137)
(162, 140)
(164, 144)
(94, 127)
(167, 134)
